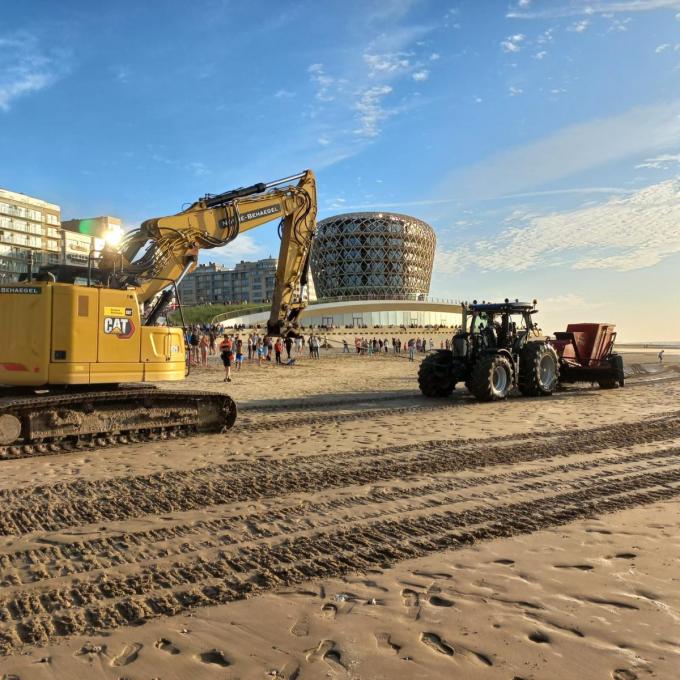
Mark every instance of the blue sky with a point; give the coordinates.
(540, 138)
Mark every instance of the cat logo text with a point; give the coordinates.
(123, 328)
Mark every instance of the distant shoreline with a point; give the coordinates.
(648, 345)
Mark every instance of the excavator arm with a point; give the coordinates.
(164, 249)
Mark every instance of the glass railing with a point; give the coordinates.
(254, 309)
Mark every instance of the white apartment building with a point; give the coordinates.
(27, 225)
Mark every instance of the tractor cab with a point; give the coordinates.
(493, 326)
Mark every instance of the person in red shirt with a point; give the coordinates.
(227, 355)
(278, 348)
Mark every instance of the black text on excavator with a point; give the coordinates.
(74, 341)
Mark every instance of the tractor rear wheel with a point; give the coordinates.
(435, 375)
(608, 383)
(491, 377)
(539, 369)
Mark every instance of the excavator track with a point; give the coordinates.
(49, 423)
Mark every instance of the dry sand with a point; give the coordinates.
(349, 528)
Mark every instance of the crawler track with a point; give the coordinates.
(90, 419)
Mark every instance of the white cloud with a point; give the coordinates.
(513, 43)
(574, 190)
(639, 132)
(586, 7)
(524, 3)
(662, 161)
(284, 94)
(323, 140)
(617, 24)
(546, 37)
(419, 76)
(241, 248)
(662, 48)
(515, 91)
(199, 169)
(121, 74)
(371, 111)
(540, 55)
(26, 66)
(383, 64)
(579, 26)
(323, 81)
(434, 56)
(623, 233)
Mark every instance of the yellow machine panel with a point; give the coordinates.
(74, 333)
(25, 317)
(119, 327)
(163, 354)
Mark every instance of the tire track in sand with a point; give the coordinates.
(227, 575)
(62, 505)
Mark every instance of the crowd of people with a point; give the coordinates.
(234, 348)
(371, 346)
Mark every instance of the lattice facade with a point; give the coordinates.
(373, 254)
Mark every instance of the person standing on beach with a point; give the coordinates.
(226, 354)
(660, 355)
(278, 348)
(411, 349)
(204, 344)
(345, 346)
(289, 346)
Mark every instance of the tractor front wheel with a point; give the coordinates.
(539, 369)
(491, 378)
(435, 375)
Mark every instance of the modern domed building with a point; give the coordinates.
(373, 255)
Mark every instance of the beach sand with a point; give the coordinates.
(349, 528)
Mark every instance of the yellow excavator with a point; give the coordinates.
(78, 356)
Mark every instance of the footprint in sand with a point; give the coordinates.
(166, 646)
(439, 601)
(384, 641)
(300, 628)
(329, 610)
(89, 651)
(128, 655)
(623, 674)
(215, 657)
(433, 641)
(326, 650)
(411, 601)
(539, 637)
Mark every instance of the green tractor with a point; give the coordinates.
(497, 349)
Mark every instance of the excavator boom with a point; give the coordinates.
(164, 249)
